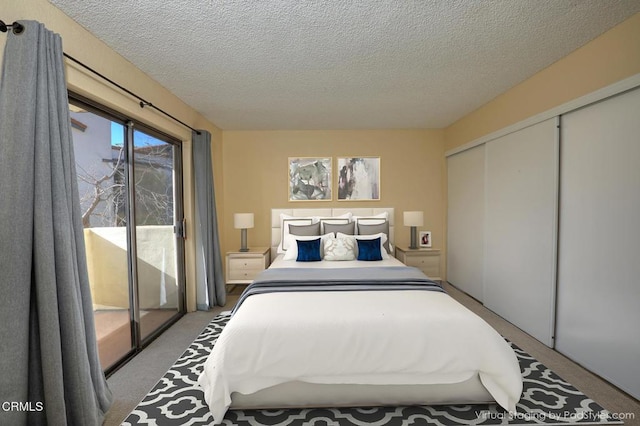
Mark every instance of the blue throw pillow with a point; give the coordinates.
(309, 251)
(369, 250)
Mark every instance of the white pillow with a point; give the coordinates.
(376, 219)
(292, 252)
(285, 221)
(340, 249)
(342, 219)
(383, 239)
(372, 220)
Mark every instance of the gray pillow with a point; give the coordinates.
(376, 229)
(345, 228)
(305, 230)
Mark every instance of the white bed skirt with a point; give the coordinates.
(308, 395)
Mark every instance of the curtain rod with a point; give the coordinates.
(18, 28)
(143, 103)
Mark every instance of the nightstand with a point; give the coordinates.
(242, 267)
(427, 260)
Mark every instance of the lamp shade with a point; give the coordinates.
(413, 218)
(243, 220)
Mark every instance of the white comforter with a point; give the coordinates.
(367, 337)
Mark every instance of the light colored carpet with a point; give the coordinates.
(136, 378)
(133, 381)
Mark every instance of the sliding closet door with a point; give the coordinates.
(465, 220)
(521, 228)
(599, 251)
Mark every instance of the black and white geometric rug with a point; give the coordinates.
(176, 400)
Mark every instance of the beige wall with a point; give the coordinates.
(256, 175)
(607, 59)
(83, 46)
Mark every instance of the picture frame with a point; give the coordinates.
(358, 178)
(425, 239)
(310, 178)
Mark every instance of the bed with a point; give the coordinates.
(352, 333)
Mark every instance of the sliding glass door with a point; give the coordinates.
(154, 166)
(129, 180)
(100, 159)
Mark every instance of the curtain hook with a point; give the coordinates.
(18, 28)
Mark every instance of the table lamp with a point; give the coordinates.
(243, 221)
(414, 219)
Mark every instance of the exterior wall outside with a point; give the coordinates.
(108, 273)
(91, 148)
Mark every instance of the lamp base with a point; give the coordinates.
(243, 241)
(414, 238)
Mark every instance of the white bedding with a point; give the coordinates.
(362, 337)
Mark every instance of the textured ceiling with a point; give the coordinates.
(343, 64)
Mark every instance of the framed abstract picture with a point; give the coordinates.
(358, 178)
(310, 179)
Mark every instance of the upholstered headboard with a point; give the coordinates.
(276, 231)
